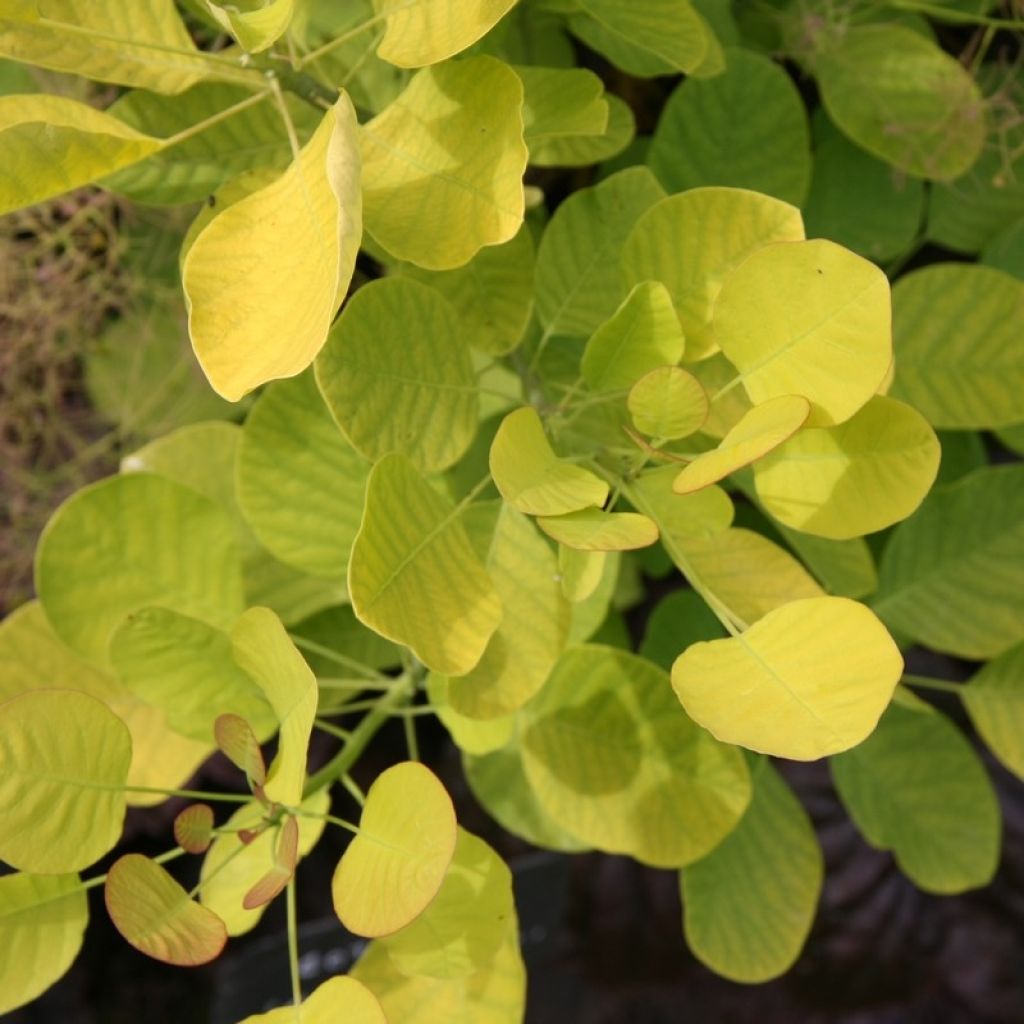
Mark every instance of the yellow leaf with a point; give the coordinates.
(580, 572)
(668, 403)
(258, 309)
(592, 529)
(420, 32)
(322, 1006)
(256, 28)
(470, 735)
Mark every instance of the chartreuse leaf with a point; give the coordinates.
(259, 310)
(583, 150)
(902, 98)
(614, 762)
(492, 293)
(157, 916)
(580, 572)
(730, 403)
(691, 241)
(193, 828)
(470, 735)
(916, 787)
(668, 403)
(561, 101)
(856, 478)
(63, 762)
(531, 477)
(397, 862)
(186, 668)
(749, 904)
(300, 484)
(761, 430)
(428, 31)
(341, 993)
(811, 319)
(395, 390)
(144, 43)
(534, 624)
(593, 529)
(958, 356)
(679, 619)
(53, 144)
(952, 575)
(414, 576)
(496, 994)
(232, 867)
(680, 517)
(578, 282)
(640, 336)
(590, 611)
(810, 678)
(461, 930)
(443, 164)
(130, 542)
(745, 127)
(263, 649)
(748, 573)
(256, 27)
(845, 568)
(42, 922)
(994, 700)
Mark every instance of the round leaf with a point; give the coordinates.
(343, 993)
(593, 529)
(430, 31)
(668, 403)
(193, 828)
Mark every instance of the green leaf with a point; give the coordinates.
(561, 101)
(811, 319)
(42, 923)
(760, 430)
(401, 577)
(641, 335)
(1006, 250)
(533, 629)
(845, 568)
(679, 517)
(589, 611)
(300, 484)
(397, 862)
(958, 357)
(443, 164)
(994, 700)
(255, 28)
(470, 735)
(428, 31)
(676, 621)
(810, 678)
(593, 529)
(392, 391)
(260, 310)
(917, 788)
(580, 572)
(749, 904)
(132, 542)
(899, 96)
(613, 760)
(690, 242)
(157, 916)
(951, 576)
(668, 403)
(53, 144)
(263, 649)
(321, 1007)
(583, 150)
(578, 282)
(746, 128)
(63, 760)
(461, 930)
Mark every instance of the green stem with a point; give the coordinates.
(330, 818)
(223, 115)
(293, 946)
(927, 683)
(340, 659)
(409, 723)
(191, 794)
(357, 30)
(952, 15)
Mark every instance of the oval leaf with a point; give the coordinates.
(668, 403)
(432, 30)
(593, 529)
(994, 700)
(238, 743)
(193, 828)
(322, 1006)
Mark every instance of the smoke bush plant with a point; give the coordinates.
(439, 494)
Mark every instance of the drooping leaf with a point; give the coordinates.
(392, 389)
(431, 30)
(691, 241)
(811, 319)
(63, 760)
(761, 430)
(745, 128)
(613, 761)
(322, 1005)
(414, 576)
(593, 529)
(810, 678)
(952, 576)
(42, 923)
(917, 788)
(193, 828)
(861, 476)
(396, 864)
(54, 144)
(958, 357)
(443, 164)
(668, 403)
(155, 914)
(994, 700)
(238, 743)
(640, 336)
(255, 28)
(281, 872)
(260, 310)
(531, 477)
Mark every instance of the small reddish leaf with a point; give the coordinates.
(239, 745)
(249, 835)
(193, 828)
(285, 859)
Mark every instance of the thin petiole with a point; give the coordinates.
(927, 683)
(341, 659)
(293, 947)
(191, 794)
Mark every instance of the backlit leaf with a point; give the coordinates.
(238, 743)
(428, 31)
(63, 760)
(394, 867)
(255, 28)
(668, 403)
(322, 1006)
(286, 856)
(810, 678)
(579, 571)
(560, 102)
(593, 529)
(470, 735)
(193, 828)
(994, 700)
(414, 576)
(397, 375)
(443, 164)
(260, 310)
